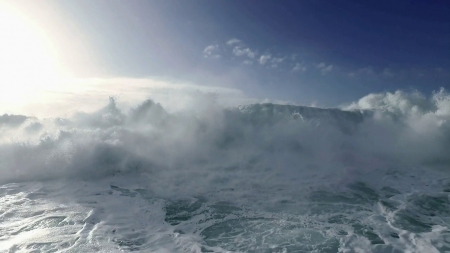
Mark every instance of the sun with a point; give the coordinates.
(28, 62)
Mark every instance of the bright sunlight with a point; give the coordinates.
(28, 64)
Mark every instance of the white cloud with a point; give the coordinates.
(367, 71)
(211, 48)
(88, 95)
(275, 61)
(248, 62)
(264, 58)
(299, 68)
(327, 69)
(211, 51)
(321, 65)
(238, 51)
(370, 72)
(324, 69)
(233, 41)
(399, 103)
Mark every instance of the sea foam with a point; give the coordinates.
(368, 175)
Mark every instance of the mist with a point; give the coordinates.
(258, 144)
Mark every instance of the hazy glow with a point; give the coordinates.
(27, 62)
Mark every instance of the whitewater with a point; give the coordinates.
(371, 176)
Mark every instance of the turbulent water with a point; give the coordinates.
(371, 177)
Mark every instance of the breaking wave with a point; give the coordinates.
(253, 178)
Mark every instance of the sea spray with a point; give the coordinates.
(208, 178)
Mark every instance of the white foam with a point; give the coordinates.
(264, 159)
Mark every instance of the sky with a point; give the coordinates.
(309, 52)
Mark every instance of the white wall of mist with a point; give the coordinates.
(88, 95)
(202, 147)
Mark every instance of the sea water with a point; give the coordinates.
(254, 178)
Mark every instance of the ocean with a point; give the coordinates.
(373, 176)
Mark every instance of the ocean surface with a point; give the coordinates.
(371, 177)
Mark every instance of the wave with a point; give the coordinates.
(378, 132)
(370, 176)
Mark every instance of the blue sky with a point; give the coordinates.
(304, 51)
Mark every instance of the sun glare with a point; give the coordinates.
(28, 64)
